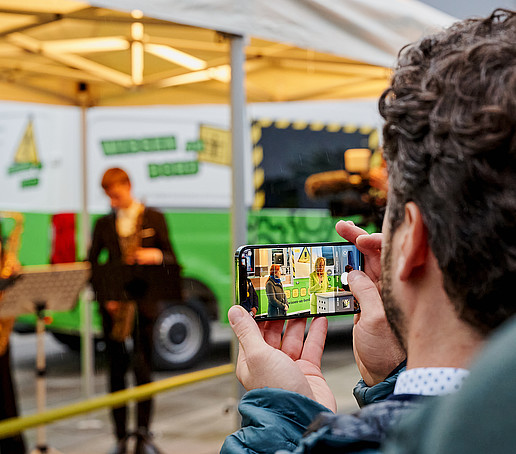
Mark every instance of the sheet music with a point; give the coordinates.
(57, 286)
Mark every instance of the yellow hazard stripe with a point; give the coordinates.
(259, 200)
(298, 125)
(350, 129)
(259, 178)
(282, 124)
(333, 127)
(257, 155)
(317, 126)
(373, 140)
(256, 133)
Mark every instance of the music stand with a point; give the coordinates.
(40, 288)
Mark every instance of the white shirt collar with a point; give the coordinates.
(430, 381)
(126, 218)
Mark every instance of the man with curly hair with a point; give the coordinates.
(438, 280)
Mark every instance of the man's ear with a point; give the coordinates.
(414, 243)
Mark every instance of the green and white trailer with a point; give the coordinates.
(178, 160)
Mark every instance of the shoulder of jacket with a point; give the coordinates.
(152, 212)
(106, 219)
(370, 423)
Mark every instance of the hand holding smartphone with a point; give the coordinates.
(298, 280)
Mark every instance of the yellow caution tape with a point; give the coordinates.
(15, 425)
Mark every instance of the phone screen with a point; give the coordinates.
(283, 281)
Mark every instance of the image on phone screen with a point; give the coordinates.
(285, 281)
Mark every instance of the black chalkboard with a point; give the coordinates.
(291, 154)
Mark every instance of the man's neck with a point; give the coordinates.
(437, 338)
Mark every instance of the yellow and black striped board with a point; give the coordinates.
(286, 152)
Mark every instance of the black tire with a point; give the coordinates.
(181, 336)
(72, 341)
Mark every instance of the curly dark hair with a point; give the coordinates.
(450, 147)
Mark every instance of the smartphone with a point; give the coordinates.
(284, 281)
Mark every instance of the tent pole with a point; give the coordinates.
(86, 297)
(240, 148)
(239, 143)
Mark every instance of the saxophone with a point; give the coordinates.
(8, 264)
(123, 317)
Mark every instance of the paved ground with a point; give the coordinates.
(192, 420)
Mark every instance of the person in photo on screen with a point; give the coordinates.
(318, 283)
(276, 297)
(344, 277)
(251, 301)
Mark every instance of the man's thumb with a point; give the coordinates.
(365, 291)
(244, 326)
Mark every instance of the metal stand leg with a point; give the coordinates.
(41, 389)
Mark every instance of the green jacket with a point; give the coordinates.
(275, 420)
(276, 298)
(316, 287)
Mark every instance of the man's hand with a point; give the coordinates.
(376, 349)
(369, 244)
(265, 359)
(148, 256)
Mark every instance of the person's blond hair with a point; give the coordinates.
(320, 260)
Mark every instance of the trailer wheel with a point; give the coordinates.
(73, 341)
(181, 336)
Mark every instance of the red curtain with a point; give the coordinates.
(63, 238)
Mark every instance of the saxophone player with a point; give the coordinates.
(131, 234)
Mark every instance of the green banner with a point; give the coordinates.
(170, 169)
(116, 147)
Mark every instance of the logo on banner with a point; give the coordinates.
(217, 145)
(213, 145)
(26, 159)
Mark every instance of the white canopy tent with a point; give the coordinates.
(368, 31)
(177, 52)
